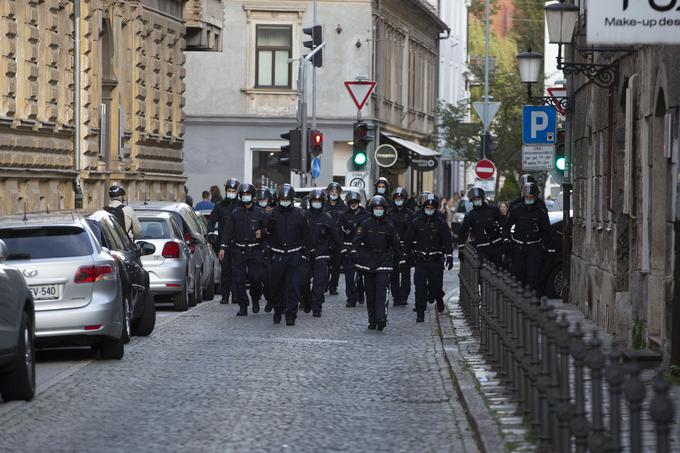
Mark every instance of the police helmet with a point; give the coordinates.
(263, 193)
(285, 192)
(430, 199)
(377, 201)
(334, 186)
(317, 194)
(422, 197)
(116, 191)
(246, 188)
(352, 196)
(526, 178)
(476, 192)
(231, 184)
(530, 188)
(400, 192)
(382, 180)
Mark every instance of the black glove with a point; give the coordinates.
(449, 262)
(460, 254)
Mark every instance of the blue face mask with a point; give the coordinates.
(429, 212)
(529, 201)
(262, 203)
(381, 190)
(284, 203)
(477, 203)
(378, 212)
(399, 202)
(246, 198)
(334, 196)
(316, 204)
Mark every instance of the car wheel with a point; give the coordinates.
(553, 287)
(19, 384)
(143, 326)
(209, 293)
(182, 299)
(127, 320)
(198, 291)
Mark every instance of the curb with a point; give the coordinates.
(486, 430)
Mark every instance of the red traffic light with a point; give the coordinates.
(316, 142)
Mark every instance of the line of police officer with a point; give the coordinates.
(522, 237)
(292, 256)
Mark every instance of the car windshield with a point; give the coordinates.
(154, 229)
(46, 242)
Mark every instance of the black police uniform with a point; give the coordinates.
(267, 259)
(401, 217)
(539, 203)
(486, 225)
(354, 284)
(220, 216)
(527, 231)
(324, 237)
(375, 249)
(246, 252)
(336, 211)
(288, 233)
(428, 241)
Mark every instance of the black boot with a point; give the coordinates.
(277, 318)
(317, 313)
(224, 300)
(269, 307)
(243, 311)
(381, 325)
(350, 304)
(333, 292)
(420, 317)
(440, 305)
(372, 325)
(256, 306)
(290, 321)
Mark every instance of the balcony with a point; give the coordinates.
(204, 20)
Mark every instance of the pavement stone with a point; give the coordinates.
(211, 381)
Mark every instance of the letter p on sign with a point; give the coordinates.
(539, 124)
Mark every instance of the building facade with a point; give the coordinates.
(239, 102)
(624, 263)
(131, 87)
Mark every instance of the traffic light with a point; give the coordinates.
(291, 154)
(316, 38)
(361, 141)
(489, 143)
(560, 158)
(315, 143)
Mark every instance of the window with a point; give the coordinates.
(273, 49)
(45, 243)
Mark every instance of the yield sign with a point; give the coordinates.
(558, 93)
(485, 169)
(360, 91)
(486, 114)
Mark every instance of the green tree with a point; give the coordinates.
(510, 189)
(457, 132)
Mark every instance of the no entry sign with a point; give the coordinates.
(485, 169)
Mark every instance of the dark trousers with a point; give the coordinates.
(491, 253)
(429, 279)
(401, 282)
(354, 283)
(247, 266)
(527, 263)
(225, 276)
(315, 277)
(335, 264)
(285, 282)
(376, 295)
(266, 279)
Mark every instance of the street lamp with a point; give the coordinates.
(561, 19)
(529, 64)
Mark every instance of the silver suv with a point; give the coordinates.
(75, 283)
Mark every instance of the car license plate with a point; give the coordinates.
(46, 292)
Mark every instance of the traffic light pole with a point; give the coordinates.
(314, 79)
(302, 109)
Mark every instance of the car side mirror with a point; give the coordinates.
(146, 248)
(3, 251)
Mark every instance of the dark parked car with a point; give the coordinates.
(140, 307)
(17, 334)
(553, 268)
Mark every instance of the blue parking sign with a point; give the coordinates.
(539, 124)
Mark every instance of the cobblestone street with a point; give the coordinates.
(209, 381)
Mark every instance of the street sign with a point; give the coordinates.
(485, 169)
(386, 155)
(424, 163)
(360, 91)
(616, 22)
(539, 124)
(557, 94)
(538, 157)
(358, 183)
(316, 167)
(491, 110)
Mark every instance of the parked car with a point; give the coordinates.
(172, 276)
(140, 307)
(553, 268)
(76, 284)
(17, 334)
(195, 235)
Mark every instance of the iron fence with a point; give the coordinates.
(575, 393)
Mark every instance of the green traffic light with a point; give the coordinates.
(561, 163)
(360, 159)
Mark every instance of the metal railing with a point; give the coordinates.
(575, 393)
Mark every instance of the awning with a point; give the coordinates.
(416, 148)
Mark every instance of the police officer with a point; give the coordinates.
(288, 233)
(485, 223)
(323, 233)
(336, 208)
(220, 215)
(527, 230)
(524, 180)
(382, 188)
(266, 202)
(401, 217)
(244, 232)
(375, 249)
(430, 244)
(349, 221)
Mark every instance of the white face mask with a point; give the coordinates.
(316, 204)
(246, 198)
(231, 195)
(529, 201)
(378, 212)
(429, 211)
(334, 196)
(381, 190)
(476, 203)
(399, 202)
(285, 203)
(263, 203)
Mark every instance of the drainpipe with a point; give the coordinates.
(77, 188)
